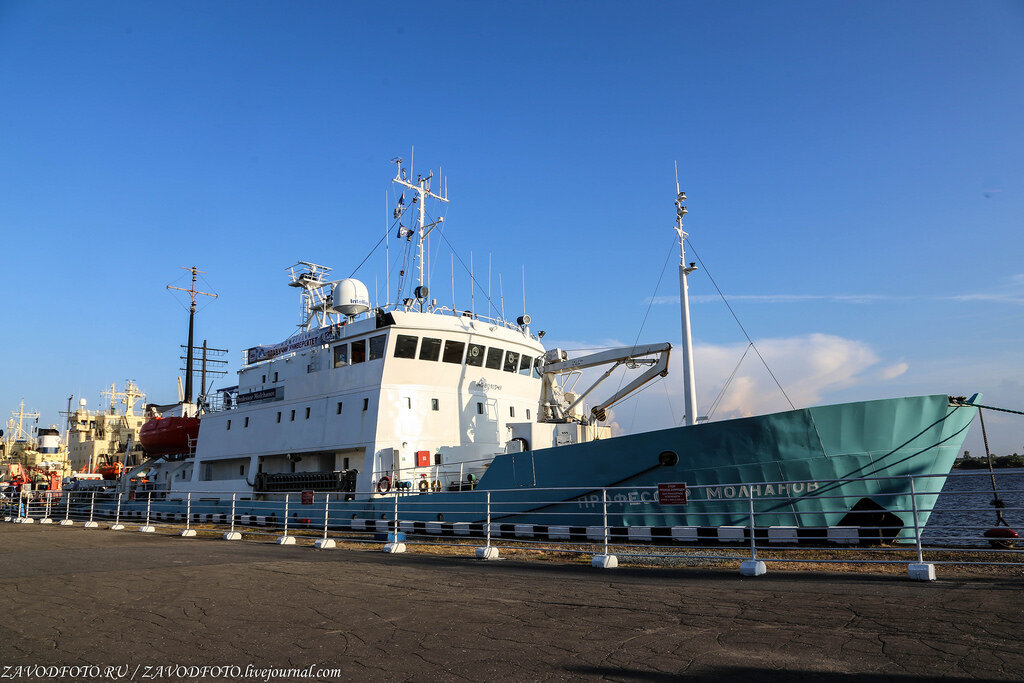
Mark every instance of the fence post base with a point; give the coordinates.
(286, 540)
(187, 533)
(325, 543)
(487, 553)
(66, 522)
(147, 529)
(232, 536)
(46, 520)
(8, 518)
(752, 568)
(394, 547)
(24, 520)
(605, 561)
(91, 525)
(921, 571)
(116, 527)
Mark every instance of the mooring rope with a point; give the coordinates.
(962, 401)
(996, 502)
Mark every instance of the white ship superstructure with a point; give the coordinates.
(404, 396)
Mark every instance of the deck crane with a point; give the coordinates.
(557, 405)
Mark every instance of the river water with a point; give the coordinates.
(963, 511)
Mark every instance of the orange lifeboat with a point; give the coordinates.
(169, 435)
(111, 470)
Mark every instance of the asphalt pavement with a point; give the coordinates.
(75, 597)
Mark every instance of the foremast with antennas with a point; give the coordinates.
(422, 189)
(689, 385)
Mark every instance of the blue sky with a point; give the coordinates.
(855, 175)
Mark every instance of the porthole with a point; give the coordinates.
(668, 459)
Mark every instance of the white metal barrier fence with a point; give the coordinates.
(596, 521)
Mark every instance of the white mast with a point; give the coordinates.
(689, 385)
(422, 189)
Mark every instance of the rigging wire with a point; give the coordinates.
(379, 242)
(650, 303)
(721, 394)
(743, 329)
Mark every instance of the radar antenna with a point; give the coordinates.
(314, 303)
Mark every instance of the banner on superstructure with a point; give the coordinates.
(261, 395)
(306, 340)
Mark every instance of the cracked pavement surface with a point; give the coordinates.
(75, 596)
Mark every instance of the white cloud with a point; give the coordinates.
(894, 371)
(814, 369)
(1010, 292)
(779, 298)
(809, 367)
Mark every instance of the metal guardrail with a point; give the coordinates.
(955, 533)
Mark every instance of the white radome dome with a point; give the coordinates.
(351, 297)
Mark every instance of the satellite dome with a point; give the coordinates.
(351, 297)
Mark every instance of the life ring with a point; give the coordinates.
(424, 486)
(435, 485)
(384, 484)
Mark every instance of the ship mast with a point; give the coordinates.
(192, 291)
(689, 385)
(422, 189)
(16, 430)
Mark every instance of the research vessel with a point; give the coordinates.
(441, 409)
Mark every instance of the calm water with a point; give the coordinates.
(963, 511)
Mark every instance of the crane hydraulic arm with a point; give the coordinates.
(630, 356)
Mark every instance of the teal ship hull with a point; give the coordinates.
(875, 465)
(844, 464)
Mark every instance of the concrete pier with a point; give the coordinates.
(75, 597)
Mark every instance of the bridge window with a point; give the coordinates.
(479, 408)
(340, 357)
(339, 408)
(493, 358)
(511, 361)
(536, 367)
(511, 411)
(307, 412)
(405, 346)
(475, 357)
(524, 365)
(377, 345)
(293, 416)
(358, 351)
(279, 416)
(229, 424)
(246, 422)
(366, 404)
(430, 349)
(435, 404)
(527, 413)
(453, 351)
